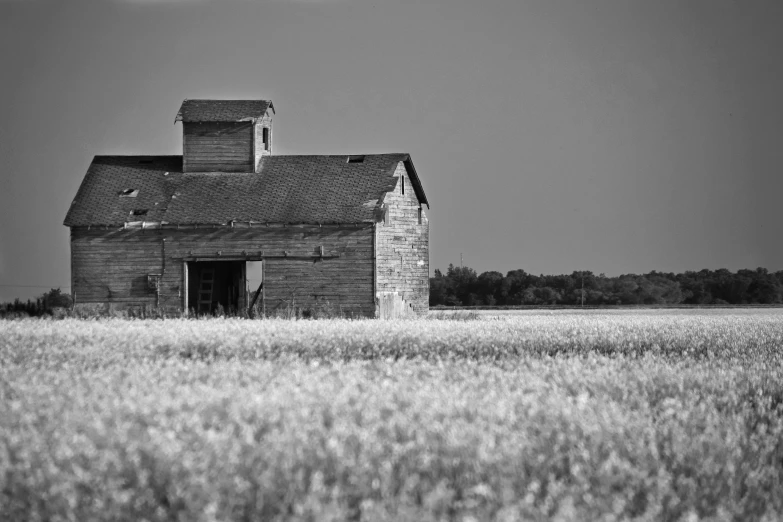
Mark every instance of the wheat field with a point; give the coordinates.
(651, 415)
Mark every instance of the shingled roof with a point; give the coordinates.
(287, 189)
(222, 110)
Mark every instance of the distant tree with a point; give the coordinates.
(528, 296)
(55, 298)
(514, 286)
(583, 280)
(547, 296)
(764, 288)
(489, 286)
(694, 288)
(440, 289)
(665, 290)
(40, 306)
(465, 281)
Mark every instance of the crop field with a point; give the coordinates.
(651, 415)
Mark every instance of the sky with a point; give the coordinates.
(617, 136)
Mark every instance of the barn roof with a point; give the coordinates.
(287, 189)
(222, 110)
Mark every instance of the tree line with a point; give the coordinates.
(43, 305)
(462, 286)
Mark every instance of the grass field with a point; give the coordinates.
(653, 415)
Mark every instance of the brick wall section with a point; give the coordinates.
(261, 124)
(402, 246)
(110, 267)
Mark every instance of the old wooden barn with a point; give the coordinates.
(229, 224)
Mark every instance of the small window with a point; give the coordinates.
(129, 193)
(355, 159)
(265, 134)
(402, 184)
(420, 212)
(139, 212)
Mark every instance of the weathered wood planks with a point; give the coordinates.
(217, 147)
(109, 266)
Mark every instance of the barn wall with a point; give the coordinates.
(111, 266)
(217, 147)
(402, 244)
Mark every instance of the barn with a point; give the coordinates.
(229, 225)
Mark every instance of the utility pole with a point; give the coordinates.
(460, 259)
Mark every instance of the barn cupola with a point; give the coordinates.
(225, 135)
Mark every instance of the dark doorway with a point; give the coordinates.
(216, 284)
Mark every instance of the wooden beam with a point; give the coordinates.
(185, 288)
(255, 297)
(251, 257)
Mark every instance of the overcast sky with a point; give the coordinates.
(615, 136)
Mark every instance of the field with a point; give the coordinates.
(650, 415)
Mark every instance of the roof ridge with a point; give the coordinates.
(228, 99)
(337, 155)
(138, 156)
(223, 110)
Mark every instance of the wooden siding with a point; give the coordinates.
(217, 147)
(402, 246)
(111, 266)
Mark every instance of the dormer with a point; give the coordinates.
(225, 135)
